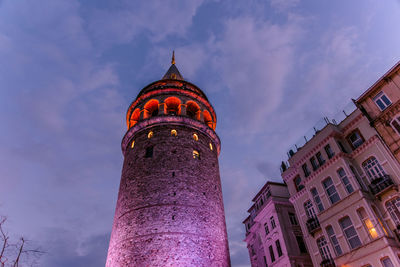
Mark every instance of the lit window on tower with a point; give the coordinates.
(211, 146)
(150, 135)
(132, 144)
(174, 132)
(195, 137)
(196, 154)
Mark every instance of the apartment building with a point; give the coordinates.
(381, 105)
(343, 184)
(273, 234)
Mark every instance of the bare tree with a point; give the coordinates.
(16, 254)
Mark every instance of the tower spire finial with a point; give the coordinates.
(173, 57)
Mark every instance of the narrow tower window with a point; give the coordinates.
(132, 144)
(150, 134)
(195, 137)
(174, 132)
(211, 146)
(149, 152)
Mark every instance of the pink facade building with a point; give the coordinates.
(273, 233)
(169, 210)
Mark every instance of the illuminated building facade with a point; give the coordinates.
(273, 234)
(344, 183)
(169, 210)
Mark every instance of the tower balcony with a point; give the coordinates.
(328, 263)
(381, 185)
(313, 225)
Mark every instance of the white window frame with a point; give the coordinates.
(335, 242)
(393, 207)
(345, 180)
(333, 190)
(317, 199)
(373, 168)
(309, 208)
(380, 97)
(346, 232)
(323, 248)
(397, 121)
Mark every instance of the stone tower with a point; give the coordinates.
(169, 209)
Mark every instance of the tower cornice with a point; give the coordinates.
(170, 120)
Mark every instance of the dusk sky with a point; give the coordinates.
(69, 70)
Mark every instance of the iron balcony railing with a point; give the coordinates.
(380, 184)
(313, 225)
(328, 263)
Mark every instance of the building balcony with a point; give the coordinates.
(313, 225)
(328, 263)
(380, 185)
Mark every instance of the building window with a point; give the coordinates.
(271, 253)
(323, 248)
(382, 101)
(393, 206)
(396, 124)
(317, 199)
(211, 146)
(196, 154)
(265, 261)
(297, 183)
(355, 139)
(386, 262)
(342, 148)
(329, 151)
(272, 220)
(301, 244)
(266, 228)
(149, 152)
(132, 144)
(373, 169)
(331, 190)
(292, 218)
(308, 207)
(314, 163)
(150, 134)
(334, 241)
(350, 233)
(320, 159)
(278, 248)
(367, 223)
(253, 252)
(346, 182)
(305, 170)
(174, 132)
(196, 137)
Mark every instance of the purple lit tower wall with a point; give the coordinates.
(169, 209)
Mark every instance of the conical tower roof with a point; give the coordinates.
(173, 72)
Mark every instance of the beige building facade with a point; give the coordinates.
(343, 184)
(381, 105)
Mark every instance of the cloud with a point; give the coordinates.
(283, 5)
(254, 58)
(65, 249)
(158, 19)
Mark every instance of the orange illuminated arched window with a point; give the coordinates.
(150, 109)
(192, 110)
(173, 105)
(134, 117)
(207, 118)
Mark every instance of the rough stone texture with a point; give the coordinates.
(169, 210)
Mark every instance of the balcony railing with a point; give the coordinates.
(381, 184)
(328, 263)
(313, 225)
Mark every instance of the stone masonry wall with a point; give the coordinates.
(169, 210)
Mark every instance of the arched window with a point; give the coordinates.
(393, 206)
(150, 109)
(373, 169)
(207, 118)
(193, 110)
(345, 180)
(309, 208)
(173, 105)
(396, 123)
(323, 248)
(134, 117)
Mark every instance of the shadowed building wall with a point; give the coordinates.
(170, 209)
